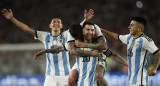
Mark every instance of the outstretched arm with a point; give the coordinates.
(153, 71)
(75, 51)
(53, 50)
(115, 57)
(109, 34)
(100, 45)
(9, 15)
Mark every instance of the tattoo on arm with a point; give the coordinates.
(55, 49)
(100, 45)
(83, 53)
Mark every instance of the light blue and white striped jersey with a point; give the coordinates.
(56, 64)
(138, 51)
(86, 66)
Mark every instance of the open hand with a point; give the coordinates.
(7, 13)
(39, 53)
(88, 15)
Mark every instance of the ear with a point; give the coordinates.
(50, 25)
(61, 26)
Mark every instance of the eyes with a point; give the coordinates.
(88, 29)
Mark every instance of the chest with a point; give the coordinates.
(55, 41)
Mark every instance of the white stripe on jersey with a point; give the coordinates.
(138, 56)
(86, 66)
(57, 64)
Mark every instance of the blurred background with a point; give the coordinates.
(17, 48)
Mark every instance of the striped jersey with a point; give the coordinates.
(57, 64)
(138, 52)
(86, 67)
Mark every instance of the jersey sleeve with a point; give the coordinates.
(70, 38)
(97, 30)
(65, 33)
(41, 35)
(123, 38)
(150, 46)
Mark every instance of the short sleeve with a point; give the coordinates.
(150, 46)
(123, 38)
(70, 38)
(41, 35)
(98, 31)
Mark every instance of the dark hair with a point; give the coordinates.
(75, 30)
(87, 23)
(140, 20)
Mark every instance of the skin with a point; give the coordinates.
(135, 29)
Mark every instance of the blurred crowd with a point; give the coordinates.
(113, 15)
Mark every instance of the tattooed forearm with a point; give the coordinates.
(55, 49)
(100, 45)
(157, 60)
(83, 53)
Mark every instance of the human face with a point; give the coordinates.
(135, 28)
(56, 24)
(88, 33)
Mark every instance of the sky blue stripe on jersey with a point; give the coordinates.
(91, 73)
(147, 66)
(64, 57)
(55, 60)
(47, 54)
(84, 71)
(137, 60)
(78, 68)
(129, 58)
(128, 38)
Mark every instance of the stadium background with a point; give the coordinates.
(17, 47)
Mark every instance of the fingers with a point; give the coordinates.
(35, 57)
(10, 10)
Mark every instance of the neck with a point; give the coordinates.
(137, 35)
(55, 33)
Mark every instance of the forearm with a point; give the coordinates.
(55, 49)
(22, 26)
(83, 21)
(157, 60)
(100, 45)
(118, 59)
(79, 52)
(110, 35)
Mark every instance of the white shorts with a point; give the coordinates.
(56, 80)
(100, 62)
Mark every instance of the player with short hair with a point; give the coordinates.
(57, 67)
(139, 47)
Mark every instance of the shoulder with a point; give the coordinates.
(146, 38)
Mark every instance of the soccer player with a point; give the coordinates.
(57, 67)
(139, 47)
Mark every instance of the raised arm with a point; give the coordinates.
(9, 15)
(76, 51)
(52, 50)
(153, 71)
(110, 35)
(87, 15)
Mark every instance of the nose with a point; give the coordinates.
(129, 27)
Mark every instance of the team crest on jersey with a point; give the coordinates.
(132, 44)
(137, 45)
(61, 40)
(54, 42)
